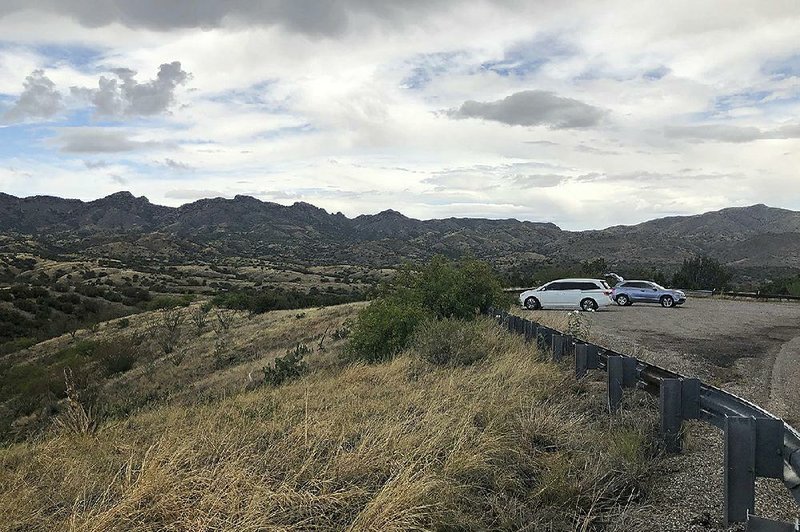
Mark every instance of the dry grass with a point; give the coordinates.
(507, 443)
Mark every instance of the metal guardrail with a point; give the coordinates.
(757, 443)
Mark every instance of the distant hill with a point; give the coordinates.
(123, 225)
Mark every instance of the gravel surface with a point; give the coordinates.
(748, 348)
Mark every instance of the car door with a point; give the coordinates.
(637, 292)
(549, 297)
(570, 296)
(649, 293)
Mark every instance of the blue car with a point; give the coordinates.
(626, 293)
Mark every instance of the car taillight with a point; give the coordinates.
(608, 292)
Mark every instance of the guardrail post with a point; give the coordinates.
(769, 448)
(615, 374)
(628, 372)
(530, 331)
(690, 398)
(671, 414)
(740, 468)
(558, 342)
(581, 361)
(544, 336)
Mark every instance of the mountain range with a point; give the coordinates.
(127, 227)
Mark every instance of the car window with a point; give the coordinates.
(587, 286)
(605, 285)
(554, 286)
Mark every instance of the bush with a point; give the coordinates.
(441, 289)
(288, 367)
(450, 342)
(117, 356)
(702, 273)
(383, 329)
(169, 302)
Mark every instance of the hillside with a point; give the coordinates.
(121, 226)
(506, 443)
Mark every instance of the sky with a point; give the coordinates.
(585, 114)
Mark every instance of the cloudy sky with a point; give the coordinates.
(587, 115)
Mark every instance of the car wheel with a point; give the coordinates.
(532, 303)
(588, 304)
(667, 302)
(623, 300)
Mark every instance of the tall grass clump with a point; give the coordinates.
(440, 289)
(451, 342)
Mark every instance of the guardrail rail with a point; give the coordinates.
(757, 443)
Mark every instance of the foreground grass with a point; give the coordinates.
(507, 443)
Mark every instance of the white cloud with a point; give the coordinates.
(39, 99)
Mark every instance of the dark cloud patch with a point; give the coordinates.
(99, 140)
(177, 165)
(731, 133)
(91, 165)
(39, 99)
(656, 73)
(533, 108)
(538, 180)
(123, 95)
(312, 17)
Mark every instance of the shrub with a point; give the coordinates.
(441, 289)
(165, 329)
(169, 302)
(123, 323)
(117, 356)
(288, 367)
(383, 329)
(450, 342)
(702, 273)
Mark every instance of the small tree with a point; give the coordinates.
(702, 273)
(165, 329)
(199, 317)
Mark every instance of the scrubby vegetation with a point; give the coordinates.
(439, 290)
(265, 300)
(504, 443)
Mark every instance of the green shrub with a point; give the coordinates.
(383, 329)
(17, 345)
(288, 367)
(170, 302)
(450, 342)
(441, 289)
(116, 356)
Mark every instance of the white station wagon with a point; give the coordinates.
(584, 294)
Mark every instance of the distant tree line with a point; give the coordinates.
(258, 301)
(698, 273)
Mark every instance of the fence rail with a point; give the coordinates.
(757, 443)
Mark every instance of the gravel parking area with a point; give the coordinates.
(748, 348)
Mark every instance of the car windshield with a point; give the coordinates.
(656, 285)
